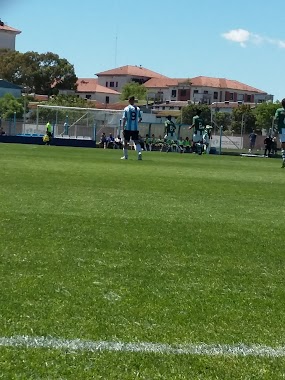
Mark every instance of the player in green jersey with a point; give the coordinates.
(170, 129)
(279, 120)
(199, 127)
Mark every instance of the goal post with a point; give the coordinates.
(79, 123)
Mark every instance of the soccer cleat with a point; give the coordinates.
(124, 158)
(283, 164)
(139, 156)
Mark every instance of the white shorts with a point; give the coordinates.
(282, 136)
(198, 137)
(206, 139)
(171, 137)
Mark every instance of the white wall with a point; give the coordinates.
(100, 97)
(7, 40)
(122, 80)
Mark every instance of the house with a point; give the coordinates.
(7, 36)
(168, 89)
(209, 90)
(162, 89)
(205, 90)
(116, 78)
(89, 88)
(10, 88)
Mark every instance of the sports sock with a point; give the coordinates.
(125, 150)
(138, 148)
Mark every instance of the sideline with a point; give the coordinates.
(144, 347)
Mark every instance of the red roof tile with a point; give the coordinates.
(161, 82)
(223, 83)
(166, 82)
(91, 85)
(135, 71)
(7, 28)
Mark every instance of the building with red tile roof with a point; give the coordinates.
(203, 89)
(8, 36)
(118, 77)
(89, 88)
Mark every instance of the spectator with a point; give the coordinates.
(118, 143)
(147, 143)
(2, 132)
(103, 141)
(186, 145)
(48, 132)
(274, 145)
(110, 141)
(252, 139)
(267, 146)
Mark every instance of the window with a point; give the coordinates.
(231, 96)
(173, 93)
(206, 92)
(88, 97)
(112, 84)
(248, 98)
(107, 100)
(183, 93)
(195, 92)
(216, 95)
(107, 84)
(163, 108)
(117, 84)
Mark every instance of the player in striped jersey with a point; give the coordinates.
(131, 118)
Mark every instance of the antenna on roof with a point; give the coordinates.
(116, 46)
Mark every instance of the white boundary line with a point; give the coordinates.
(156, 348)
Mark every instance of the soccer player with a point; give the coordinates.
(206, 138)
(199, 127)
(170, 129)
(130, 123)
(280, 126)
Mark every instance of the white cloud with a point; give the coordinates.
(237, 35)
(244, 37)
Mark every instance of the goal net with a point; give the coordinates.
(79, 123)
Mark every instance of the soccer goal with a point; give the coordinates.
(79, 123)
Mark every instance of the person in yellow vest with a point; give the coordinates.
(49, 132)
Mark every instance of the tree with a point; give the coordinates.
(264, 114)
(43, 73)
(9, 105)
(243, 114)
(189, 112)
(133, 89)
(223, 118)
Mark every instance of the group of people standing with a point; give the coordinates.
(201, 134)
(132, 116)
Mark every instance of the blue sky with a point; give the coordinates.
(242, 40)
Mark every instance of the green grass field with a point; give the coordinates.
(176, 249)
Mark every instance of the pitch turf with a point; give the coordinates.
(176, 249)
